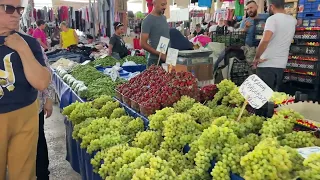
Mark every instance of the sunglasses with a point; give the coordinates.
(120, 24)
(11, 9)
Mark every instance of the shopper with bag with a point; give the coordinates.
(22, 74)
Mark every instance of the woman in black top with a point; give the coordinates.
(198, 31)
(117, 47)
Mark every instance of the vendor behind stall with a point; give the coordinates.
(153, 27)
(68, 36)
(90, 39)
(198, 31)
(117, 46)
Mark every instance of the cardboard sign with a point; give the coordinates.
(306, 152)
(163, 45)
(172, 56)
(255, 91)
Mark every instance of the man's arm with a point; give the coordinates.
(42, 44)
(111, 44)
(267, 35)
(144, 44)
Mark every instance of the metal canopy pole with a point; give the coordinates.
(94, 18)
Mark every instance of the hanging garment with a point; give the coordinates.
(149, 5)
(194, 1)
(239, 9)
(205, 3)
(77, 14)
(64, 10)
(35, 14)
(182, 3)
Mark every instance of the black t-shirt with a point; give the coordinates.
(15, 90)
(195, 33)
(118, 45)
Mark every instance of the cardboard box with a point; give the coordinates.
(203, 72)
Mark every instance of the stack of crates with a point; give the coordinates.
(309, 13)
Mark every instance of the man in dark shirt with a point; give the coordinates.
(22, 74)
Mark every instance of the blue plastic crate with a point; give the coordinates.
(309, 15)
(310, 7)
(302, 2)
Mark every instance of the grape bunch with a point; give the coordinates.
(78, 127)
(299, 139)
(68, 110)
(237, 128)
(156, 120)
(290, 115)
(233, 98)
(101, 101)
(225, 87)
(221, 110)
(276, 126)
(268, 160)
(179, 130)
(192, 174)
(127, 170)
(200, 113)
(108, 108)
(312, 167)
(148, 140)
(184, 104)
(118, 113)
(110, 168)
(251, 139)
(81, 112)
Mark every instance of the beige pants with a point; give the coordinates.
(18, 143)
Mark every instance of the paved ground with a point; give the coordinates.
(55, 133)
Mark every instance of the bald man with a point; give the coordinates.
(22, 74)
(153, 27)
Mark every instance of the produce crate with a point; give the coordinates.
(307, 65)
(307, 35)
(135, 106)
(301, 78)
(126, 100)
(230, 38)
(118, 95)
(303, 50)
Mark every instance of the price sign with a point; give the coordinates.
(172, 56)
(163, 45)
(255, 91)
(86, 62)
(306, 152)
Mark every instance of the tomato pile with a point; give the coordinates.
(155, 88)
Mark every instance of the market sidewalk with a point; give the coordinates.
(55, 133)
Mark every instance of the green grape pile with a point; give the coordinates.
(229, 161)
(134, 127)
(105, 141)
(276, 126)
(110, 168)
(127, 171)
(81, 112)
(252, 123)
(108, 108)
(200, 113)
(148, 140)
(210, 144)
(118, 113)
(96, 160)
(78, 127)
(176, 160)
(234, 113)
(179, 130)
(268, 160)
(101, 101)
(237, 128)
(233, 98)
(224, 88)
(159, 170)
(68, 110)
(184, 104)
(192, 174)
(290, 115)
(251, 139)
(296, 159)
(298, 139)
(221, 110)
(156, 120)
(312, 168)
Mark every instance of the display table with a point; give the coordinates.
(78, 158)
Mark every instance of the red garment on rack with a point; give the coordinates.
(149, 5)
(35, 14)
(87, 14)
(241, 1)
(64, 13)
(136, 43)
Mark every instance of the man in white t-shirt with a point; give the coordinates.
(273, 51)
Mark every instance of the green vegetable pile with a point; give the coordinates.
(96, 82)
(136, 59)
(107, 61)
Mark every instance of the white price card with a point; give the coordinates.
(306, 152)
(133, 53)
(172, 56)
(255, 91)
(163, 45)
(86, 62)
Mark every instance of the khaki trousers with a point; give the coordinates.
(18, 143)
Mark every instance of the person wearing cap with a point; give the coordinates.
(22, 74)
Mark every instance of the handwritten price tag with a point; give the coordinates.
(256, 92)
(163, 45)
(172, 56)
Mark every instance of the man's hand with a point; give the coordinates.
(48, 108)
(16, 42)
(258, 61)
(163, 57)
